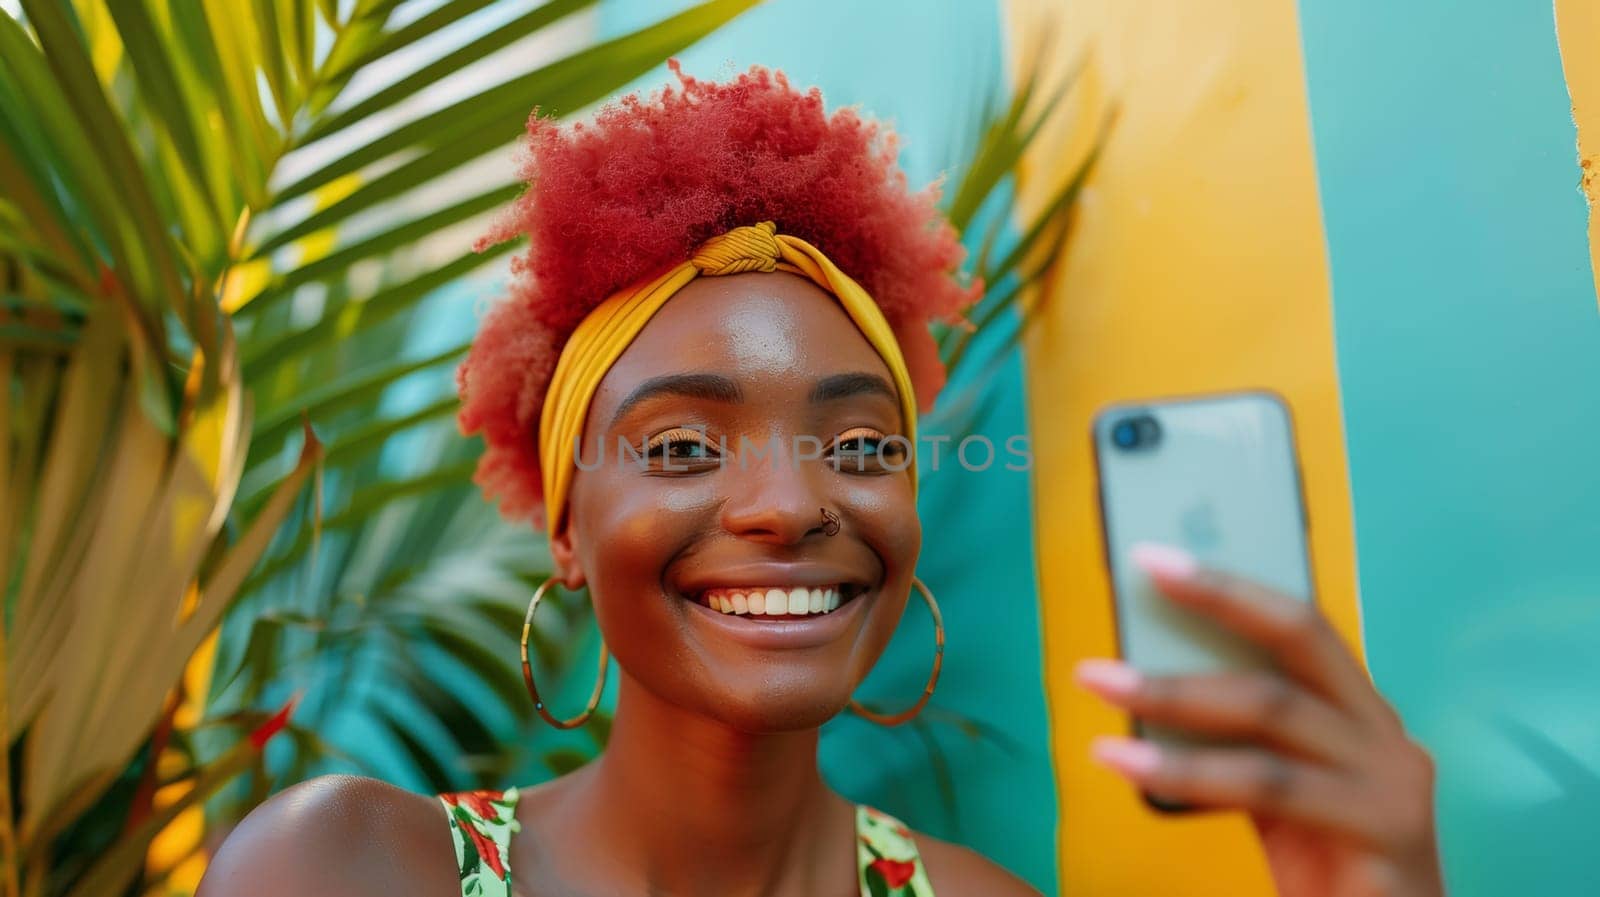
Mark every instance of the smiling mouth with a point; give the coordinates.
(761, 603)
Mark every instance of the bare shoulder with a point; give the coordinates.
(339, 836)
(957, 871)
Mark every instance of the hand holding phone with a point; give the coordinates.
(1246, 698)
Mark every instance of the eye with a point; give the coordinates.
(681, 446)
(866, 449)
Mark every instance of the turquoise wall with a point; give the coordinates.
(930, 69)
(1469, 355)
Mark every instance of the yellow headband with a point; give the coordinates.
(606, 332)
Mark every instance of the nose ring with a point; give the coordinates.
(830, 522)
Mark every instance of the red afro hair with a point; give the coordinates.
(623, 198)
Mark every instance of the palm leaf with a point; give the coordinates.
(154, 267)
(117, 868)
(540, 17)
(1014, 278)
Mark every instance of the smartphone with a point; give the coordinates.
(1215, 475)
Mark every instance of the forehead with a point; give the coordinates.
(772, 329)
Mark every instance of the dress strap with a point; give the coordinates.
(887, 857)
(482, 823)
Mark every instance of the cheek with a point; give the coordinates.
(627, 521)
(885, 513)
(628, 528)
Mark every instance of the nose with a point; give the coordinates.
(774, 496)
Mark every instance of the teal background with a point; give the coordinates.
(929, 70)
(1469, 357)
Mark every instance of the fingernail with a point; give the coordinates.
(1128, 755)
(1108, 677)
(1163, 560)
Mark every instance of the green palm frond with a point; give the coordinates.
(983, 208)
(1013, 254)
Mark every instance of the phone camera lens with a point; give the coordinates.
(1125, 434)
(1137, 432)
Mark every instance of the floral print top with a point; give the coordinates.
(482, 823)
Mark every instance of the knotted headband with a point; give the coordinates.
(608, 330)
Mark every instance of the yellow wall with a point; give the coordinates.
(1578, 30)
(1198, 264)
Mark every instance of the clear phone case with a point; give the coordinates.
(1214, 475)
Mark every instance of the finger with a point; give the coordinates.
(1293, 631)
(1255, 781)
(1249, 706)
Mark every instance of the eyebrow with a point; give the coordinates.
(843, 386)
(717, 388)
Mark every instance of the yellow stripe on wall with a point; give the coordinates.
(1198, 264)
(1578, 31)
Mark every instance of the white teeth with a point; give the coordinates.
(774, 601)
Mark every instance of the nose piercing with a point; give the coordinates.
(830, 522)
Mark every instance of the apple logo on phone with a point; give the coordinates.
(1198, 524)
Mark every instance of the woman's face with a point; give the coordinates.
(758, 404)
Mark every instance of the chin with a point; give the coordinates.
(774, 710)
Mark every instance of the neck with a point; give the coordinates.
(694, 806)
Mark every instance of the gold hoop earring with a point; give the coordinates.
(527, 670)
(933, 677)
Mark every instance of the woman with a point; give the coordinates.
(704, 387)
